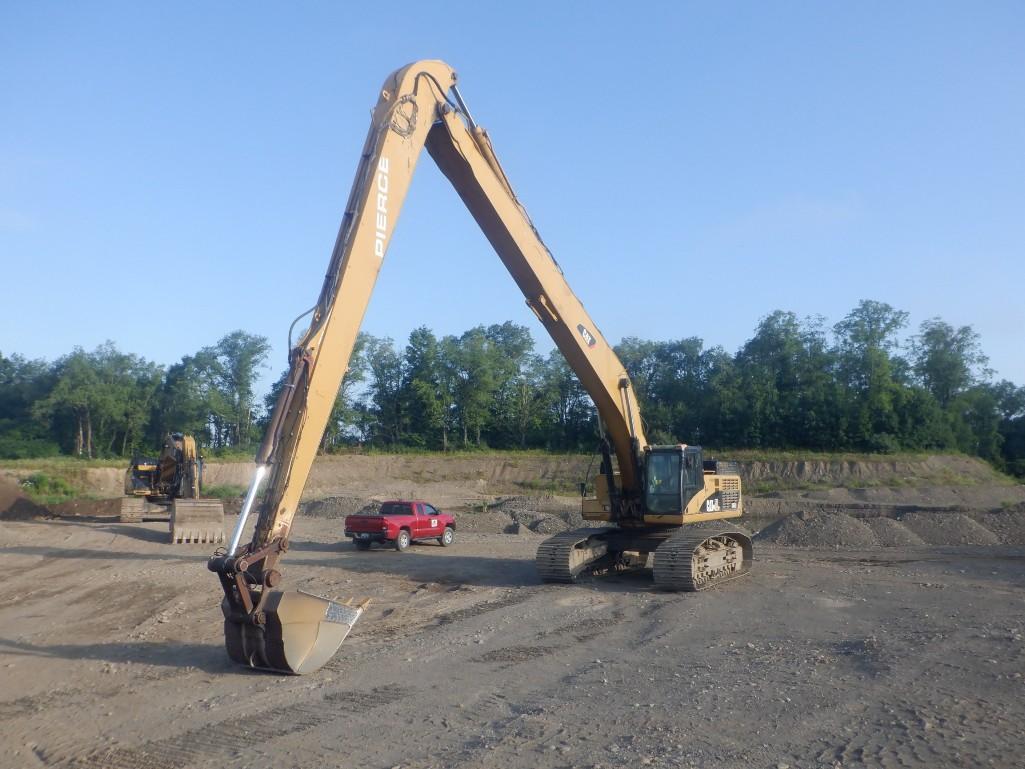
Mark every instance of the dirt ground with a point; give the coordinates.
(910, 655)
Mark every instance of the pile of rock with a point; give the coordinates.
(912, 529)
(339, 507)
(824, 530)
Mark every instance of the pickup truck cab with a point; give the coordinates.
(399, 523)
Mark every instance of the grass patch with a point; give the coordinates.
(61, 465)
(226, 491)
(47, 489)
(548, 487)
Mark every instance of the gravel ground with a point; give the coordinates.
(112, 657)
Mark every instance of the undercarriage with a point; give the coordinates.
(686, 558)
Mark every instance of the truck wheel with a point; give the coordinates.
(361, 544)
(402, 541)
(447, 537)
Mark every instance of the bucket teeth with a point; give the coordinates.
(197, 521)
(184, 536)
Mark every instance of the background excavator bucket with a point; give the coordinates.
(197, 520)
(301, 634)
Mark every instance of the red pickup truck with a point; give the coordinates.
(401, 522)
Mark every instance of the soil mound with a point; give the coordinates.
(15, 506)
(486, 523)
(541, 515)
(949, 529)
(549, 524)
(1009, 526)
(891, 533)
(339, 507)
(827, 530)
(540, 523)
(913, 529)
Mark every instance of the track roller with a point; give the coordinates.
(565, 556)
(701, 556)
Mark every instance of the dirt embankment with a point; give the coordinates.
(943, 469)
(936, 500)
(499, 474)
(14, 505)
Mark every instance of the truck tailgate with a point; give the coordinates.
(364, 523)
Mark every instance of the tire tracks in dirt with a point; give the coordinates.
(232, 737)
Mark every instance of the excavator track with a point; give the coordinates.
(699, 557)
(565, 556)
(132, 509)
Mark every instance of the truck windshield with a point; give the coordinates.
(395, 508)
(662, 483)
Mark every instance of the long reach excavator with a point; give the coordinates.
(665, 500)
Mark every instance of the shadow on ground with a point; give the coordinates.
(206, 657)
(199, 556)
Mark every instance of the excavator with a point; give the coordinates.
(663, 502)
(167, 488)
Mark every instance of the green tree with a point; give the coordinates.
(234, 361)
(947, 361)
(385, 390)
(1010, 402)
(188, 401)
(568, 411)
(474, 382)
(103, 397)
(22, 383)
(866, 339)
(512, 406)
(425, 392)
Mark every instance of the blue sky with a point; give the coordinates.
(169, 174)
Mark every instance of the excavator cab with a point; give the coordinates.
(672, 475)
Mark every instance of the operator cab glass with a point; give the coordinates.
(673, 474)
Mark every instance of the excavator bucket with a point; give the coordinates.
(301, 633)
(197, 520)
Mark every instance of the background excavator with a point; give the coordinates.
(665, 500)
(168, 487)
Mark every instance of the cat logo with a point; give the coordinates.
(587, 335)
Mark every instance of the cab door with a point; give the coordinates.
(421, 524)
(432, 521)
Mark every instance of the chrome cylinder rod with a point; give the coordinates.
(247, 505)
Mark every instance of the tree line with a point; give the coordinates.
(862, 384)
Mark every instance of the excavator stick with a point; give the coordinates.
(299, 634)
(197, 520)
